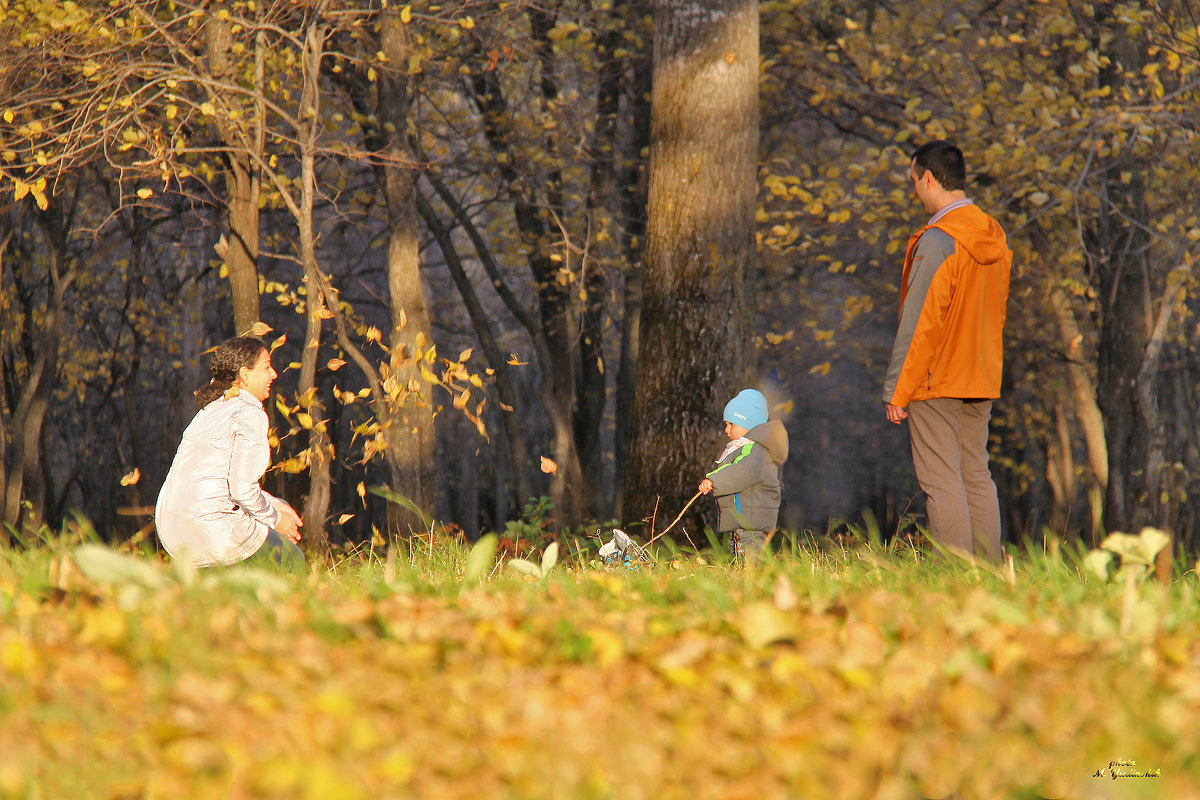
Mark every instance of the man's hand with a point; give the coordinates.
(705, 486)
(895, 413)
(289, 522)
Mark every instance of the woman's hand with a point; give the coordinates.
(289, 522)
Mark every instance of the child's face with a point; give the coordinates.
(734, 431)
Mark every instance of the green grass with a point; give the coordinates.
(856, 671)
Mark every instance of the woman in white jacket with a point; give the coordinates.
(211, 509)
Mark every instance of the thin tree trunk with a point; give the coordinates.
(242, 180)
(316, 506)
(1083, 388)
(25, 475)
(697, 345)
(513, 428)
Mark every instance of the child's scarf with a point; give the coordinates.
(736, 444)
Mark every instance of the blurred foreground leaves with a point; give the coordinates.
(857, 676)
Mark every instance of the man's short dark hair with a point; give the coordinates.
(945, 161)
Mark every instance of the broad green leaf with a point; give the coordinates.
(105, 565)
(481, 558)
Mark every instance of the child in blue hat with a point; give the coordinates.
(746, 480)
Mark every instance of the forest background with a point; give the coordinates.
(442, 217)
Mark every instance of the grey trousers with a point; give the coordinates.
(949, 449)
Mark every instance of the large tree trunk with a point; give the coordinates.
(697, 338)
(409, 431)
(631, 181)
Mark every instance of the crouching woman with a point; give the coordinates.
(211, 509)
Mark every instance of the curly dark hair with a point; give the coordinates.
(227, 360)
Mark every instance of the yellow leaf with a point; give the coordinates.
(465, 354)
(335, 364)
(461, 400)
(362, 490)
(406, 14)
(306, 420)
(20, 188)
(258, 329)
(516, 362)
(171, 111)
(548, 466)
(821, 369)
(8, 115)
(207, 109)
(131, 478)
(275, 345)
(467, 23)
(344, 518)
(41, 201)
(145, 193)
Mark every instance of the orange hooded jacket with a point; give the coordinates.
(950, 339)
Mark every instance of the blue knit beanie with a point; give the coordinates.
(748, 409)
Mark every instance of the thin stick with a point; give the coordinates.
(672, 525)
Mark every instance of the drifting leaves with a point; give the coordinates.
(130, 478)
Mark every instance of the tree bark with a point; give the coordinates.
(632, 186)
(697, 340)
(409, 428)
(25, 471)
(505, 387)
(558, 329)
(316, 506)
(242, 180)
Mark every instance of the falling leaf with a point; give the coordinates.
(145, 193)
(406, 14)
(336, 363)
(344, 518)
(516, 362)
(258, 329)
(131, 478)
(548, 466)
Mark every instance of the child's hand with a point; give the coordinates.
(706, 486)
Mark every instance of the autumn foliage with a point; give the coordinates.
(860, 673)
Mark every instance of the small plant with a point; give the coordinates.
(549, 559)
(1134, 554)
(532, 531)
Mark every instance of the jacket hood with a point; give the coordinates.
(981, 235)
(773, 437)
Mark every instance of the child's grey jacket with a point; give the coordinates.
(746, 481)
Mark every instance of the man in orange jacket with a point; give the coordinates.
(947, 356)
